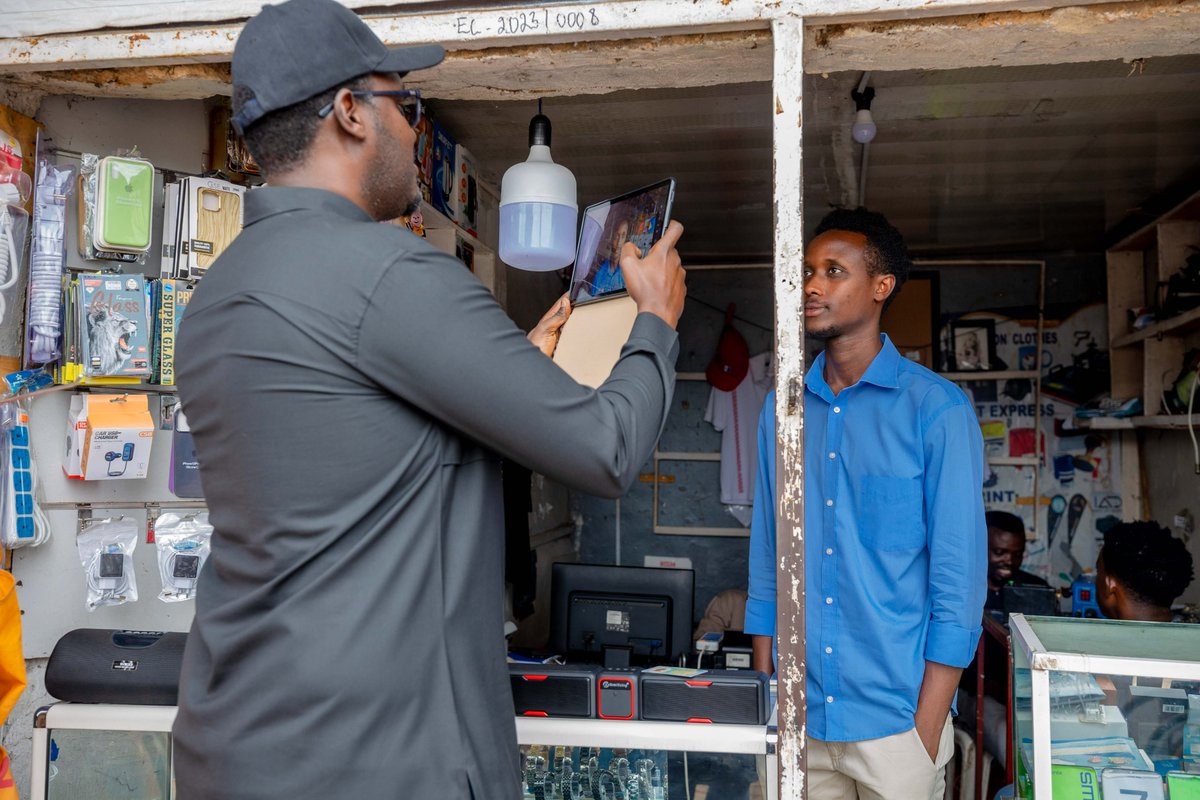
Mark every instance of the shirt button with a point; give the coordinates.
(828, 551)
(828, 650)
(837, 409)
(828, 601)
(829, 699)
(829, 502)
(833, 455)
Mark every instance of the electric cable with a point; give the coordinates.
(46, 261)
(108, 576)
(1191, 427)
(10, 261)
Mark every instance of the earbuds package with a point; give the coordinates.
(108, 437)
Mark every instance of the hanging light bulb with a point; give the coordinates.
(863, 129)
(538, 207)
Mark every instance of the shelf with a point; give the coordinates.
(1160, 421)
(437, 221)
(1014, 461)
(1179, 324)
(1144, 238)
(985, 375)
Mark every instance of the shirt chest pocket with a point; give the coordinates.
(891, 514)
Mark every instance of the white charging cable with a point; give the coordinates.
(46, 261)
(9, 260)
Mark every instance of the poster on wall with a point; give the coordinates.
(1079, 487)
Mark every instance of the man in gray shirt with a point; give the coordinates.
(350, 389)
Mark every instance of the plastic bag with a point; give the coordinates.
(106, 552)
(183, 544)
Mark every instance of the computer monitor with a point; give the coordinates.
(620, 616)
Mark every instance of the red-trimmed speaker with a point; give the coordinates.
(617, 693)
(716, 696)
(553, 690)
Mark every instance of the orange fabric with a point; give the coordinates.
(12, 671)
(12, 656)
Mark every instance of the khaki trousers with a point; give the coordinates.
(894, 767)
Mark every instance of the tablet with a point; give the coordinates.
(603, 313)
(639, 216)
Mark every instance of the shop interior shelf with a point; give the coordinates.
(1181, 323)
(436, 220)
(983, 375)
(1163, 421)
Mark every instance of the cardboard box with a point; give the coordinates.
(443, 171)
(425, 156)
(109, 437)
(464, 199)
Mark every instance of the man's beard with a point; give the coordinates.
(386, 184)
(825, 334)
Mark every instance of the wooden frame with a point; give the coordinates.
(972, 345)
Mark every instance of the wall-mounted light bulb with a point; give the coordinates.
(864, 128)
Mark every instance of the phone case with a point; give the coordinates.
(124, 205)
(218, 221)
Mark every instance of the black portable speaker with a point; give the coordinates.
(123, 667)
(718, 696)
(553, 690)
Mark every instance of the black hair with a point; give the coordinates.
(886, 253)
(1148, 561)
(279, 141)
(1005, 521)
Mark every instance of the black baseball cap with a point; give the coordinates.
(298, 49)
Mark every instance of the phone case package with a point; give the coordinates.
(124, 205)
(213, 217)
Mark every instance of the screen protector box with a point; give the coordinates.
(109, 437)
(443, 172)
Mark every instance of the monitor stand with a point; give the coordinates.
(616, 656)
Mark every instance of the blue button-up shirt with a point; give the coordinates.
(894, 541)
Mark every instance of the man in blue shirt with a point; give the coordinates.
(894, 532)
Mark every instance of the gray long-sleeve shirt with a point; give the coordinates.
(349, 388)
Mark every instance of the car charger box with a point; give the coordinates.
(108, 437)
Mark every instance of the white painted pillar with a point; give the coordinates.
(788, 33)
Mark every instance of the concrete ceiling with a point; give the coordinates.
(980, 160)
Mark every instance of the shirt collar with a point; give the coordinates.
(884, 370)
(268, 201)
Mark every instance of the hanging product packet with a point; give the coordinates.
(106, 552)
(183, 543)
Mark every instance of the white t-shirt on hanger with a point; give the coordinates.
(735, 415)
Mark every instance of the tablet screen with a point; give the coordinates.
(639, 217)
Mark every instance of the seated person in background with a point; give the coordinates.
(1140, 571)
(725, 612)
(1006, 551)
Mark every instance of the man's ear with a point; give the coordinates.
(349, 114)
(884, 286)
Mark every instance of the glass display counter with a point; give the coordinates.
(1105, 709)
(102, 752)
(106, 751)
(574, 759)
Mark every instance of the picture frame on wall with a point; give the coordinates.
(972, 345)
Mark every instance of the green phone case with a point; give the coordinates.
(124, 204)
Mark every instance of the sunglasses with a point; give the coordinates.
(407, 100)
